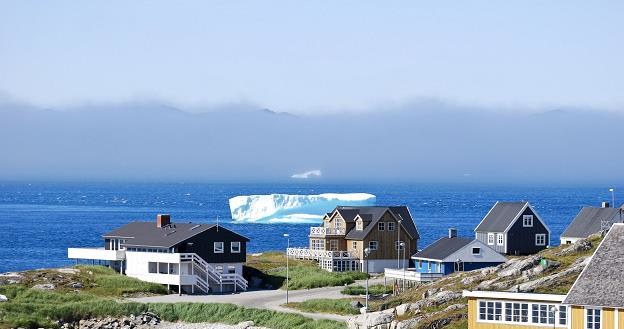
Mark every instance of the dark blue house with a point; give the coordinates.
(453, 253)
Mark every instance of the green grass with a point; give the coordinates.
(303, 274)
(35, 308)
(334, 306)
(377, 289)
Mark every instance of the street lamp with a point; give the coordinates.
(287, 247)
(554, 309)
(402, 245)
(366, 252)
(612, 197)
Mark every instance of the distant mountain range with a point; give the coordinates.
(419, 142)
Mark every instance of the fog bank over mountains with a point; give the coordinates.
(428, 142)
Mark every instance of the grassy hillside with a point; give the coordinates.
(94, 291)
(303, 274)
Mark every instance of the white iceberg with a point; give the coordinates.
(288, 208)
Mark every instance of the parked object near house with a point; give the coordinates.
(595, 300)
(453, 253)
(339, 244)
(193, 258)
(591, 220)
(513, 228)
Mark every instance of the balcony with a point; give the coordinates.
(95, 253)
(326, 231)
(411, 275)
(305, 253)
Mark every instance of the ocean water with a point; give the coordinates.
(39, 221)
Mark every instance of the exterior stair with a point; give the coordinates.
(207, 277)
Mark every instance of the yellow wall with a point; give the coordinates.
(474, 324)
(577, 320)
(608, 318)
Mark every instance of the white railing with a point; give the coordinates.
(211, 274)
(411, 275)
(323, 231)
(305, 253)
(95, 253)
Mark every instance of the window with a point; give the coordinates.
(397, 245)
(333, 245)
(354, 245)
(563, 315)
(381, 226)
(476, 250)
(541, 313)
(152, 267)
(218, 247)
(516, 312)
(419, 263)
(219, 268)
(592, 320)
(540, 239)
(391, 226)
(358, 225)
(373, 245)
(235, 247)
(429, 266)
(318, 244)
(231, 269)
(491, 311)
(527, 220)
(501, 239)
(491, 239)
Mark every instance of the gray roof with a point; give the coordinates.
(443, 248)
(148, 234)
(589, 219)
(374, 214)
(601, 282)
(500, 216)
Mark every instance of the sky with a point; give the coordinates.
(315, 56)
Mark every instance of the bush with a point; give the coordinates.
(335, 306)
(377, 289)
(307, 277)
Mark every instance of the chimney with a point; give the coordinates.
(163, 220)
(605, 204)
(452, 232)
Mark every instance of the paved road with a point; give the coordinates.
(265, 299)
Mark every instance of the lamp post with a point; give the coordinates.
(554, 310)
(399, 239)
(402, 245)
(612, 197)
(366, 252)
(287, 247)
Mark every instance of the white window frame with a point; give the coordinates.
(593, 309)
(491, 239)
(333, 245)
(359, 225)
(540, 235)
(479, 251)
(354, 245)
(500, 239)
(391, 226)
(397, 245)
(527, 220)
(381, 226)
(529, 315)
(235, 243)
(217, 250)
(371, 243)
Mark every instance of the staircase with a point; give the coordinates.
(207, 277)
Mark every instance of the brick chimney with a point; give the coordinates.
(163, 220)
(452, 232)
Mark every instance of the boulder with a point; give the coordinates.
(454, 307)
(44, 286)
(430, 292)
(445, 296)
(402, 309)
(373, 320)
(515, 266)
(76, 285)
(3, 298)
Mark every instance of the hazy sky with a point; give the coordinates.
(316, 55)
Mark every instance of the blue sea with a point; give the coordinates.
(39, 221)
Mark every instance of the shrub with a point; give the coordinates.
(335, 306)
(376, 289)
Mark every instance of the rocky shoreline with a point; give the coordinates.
(148, 320)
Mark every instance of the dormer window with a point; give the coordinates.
(527, 220)
(359, 225)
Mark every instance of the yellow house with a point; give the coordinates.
(595, 301)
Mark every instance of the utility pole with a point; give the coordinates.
(287, 247)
